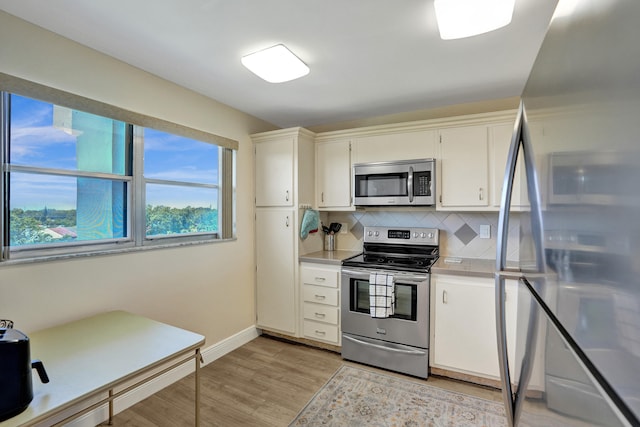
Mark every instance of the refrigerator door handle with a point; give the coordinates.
(521, 139)
(501, 257)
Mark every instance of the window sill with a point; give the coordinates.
(106, 252)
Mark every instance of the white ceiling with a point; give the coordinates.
(367, 57)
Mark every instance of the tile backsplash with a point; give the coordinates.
(459, 231)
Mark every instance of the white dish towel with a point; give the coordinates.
(382, 295)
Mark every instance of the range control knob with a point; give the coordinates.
(430, 235)
(415, 235)
(423, 235)
(377, 233)
(370, 233)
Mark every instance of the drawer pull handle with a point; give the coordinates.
(320, 332)
(320, 315)
(320, 279)
(320, 296)
(444, 297)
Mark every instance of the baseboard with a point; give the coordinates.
(470, 378)
(209, 354)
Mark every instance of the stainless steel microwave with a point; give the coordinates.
(399, 183)
(592, 178)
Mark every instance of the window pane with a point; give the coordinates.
(49, 136)
(54, 209)
(175, 158)
(173, 209)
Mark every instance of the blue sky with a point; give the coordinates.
(36, 142)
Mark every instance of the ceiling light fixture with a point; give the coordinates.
(465, 18)
(275, 64)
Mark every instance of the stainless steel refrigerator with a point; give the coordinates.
(575, 246)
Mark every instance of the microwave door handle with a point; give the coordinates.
(410, 184)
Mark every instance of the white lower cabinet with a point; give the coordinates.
(464, 324)
(320, 289)
(275, 281)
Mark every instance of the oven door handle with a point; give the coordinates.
(382, 347)
(400, 277)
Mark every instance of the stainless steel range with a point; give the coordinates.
(385, 299)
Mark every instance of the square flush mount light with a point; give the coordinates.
(275, 64)
(465, 18)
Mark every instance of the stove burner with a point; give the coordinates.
(409, 263)
(383, 249)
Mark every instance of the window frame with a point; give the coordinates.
(141, 192)
(134, 180)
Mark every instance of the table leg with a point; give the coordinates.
(197, 375)
(111, 407)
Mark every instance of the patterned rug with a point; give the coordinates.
(359, 397)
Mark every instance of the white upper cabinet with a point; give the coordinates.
(395, 145)
(333, 174)
(274, 172)
(464, 163)
(499, 143)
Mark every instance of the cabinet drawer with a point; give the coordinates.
(321, 331)
(320, 295)
(319, 276)
(321, 313)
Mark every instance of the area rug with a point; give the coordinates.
(361, 397)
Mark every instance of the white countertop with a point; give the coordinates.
(466, 266)
(328, 257)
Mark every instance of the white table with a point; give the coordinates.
(98, 355)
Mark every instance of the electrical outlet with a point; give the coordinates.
(345, 228)
(485, 231)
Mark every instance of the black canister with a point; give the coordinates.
(16, 387)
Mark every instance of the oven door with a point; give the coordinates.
(409, 324)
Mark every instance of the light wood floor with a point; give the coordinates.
(266, 382)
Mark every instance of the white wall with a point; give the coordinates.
(209, 288)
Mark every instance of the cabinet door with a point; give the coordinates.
(499, 143)
(464, 167)
(333, 174)
(465, 325)
(395, 146)
(276, 296)
(274, 172)
(464, 337)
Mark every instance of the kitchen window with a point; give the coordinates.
(79, 182)
(181, 180)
